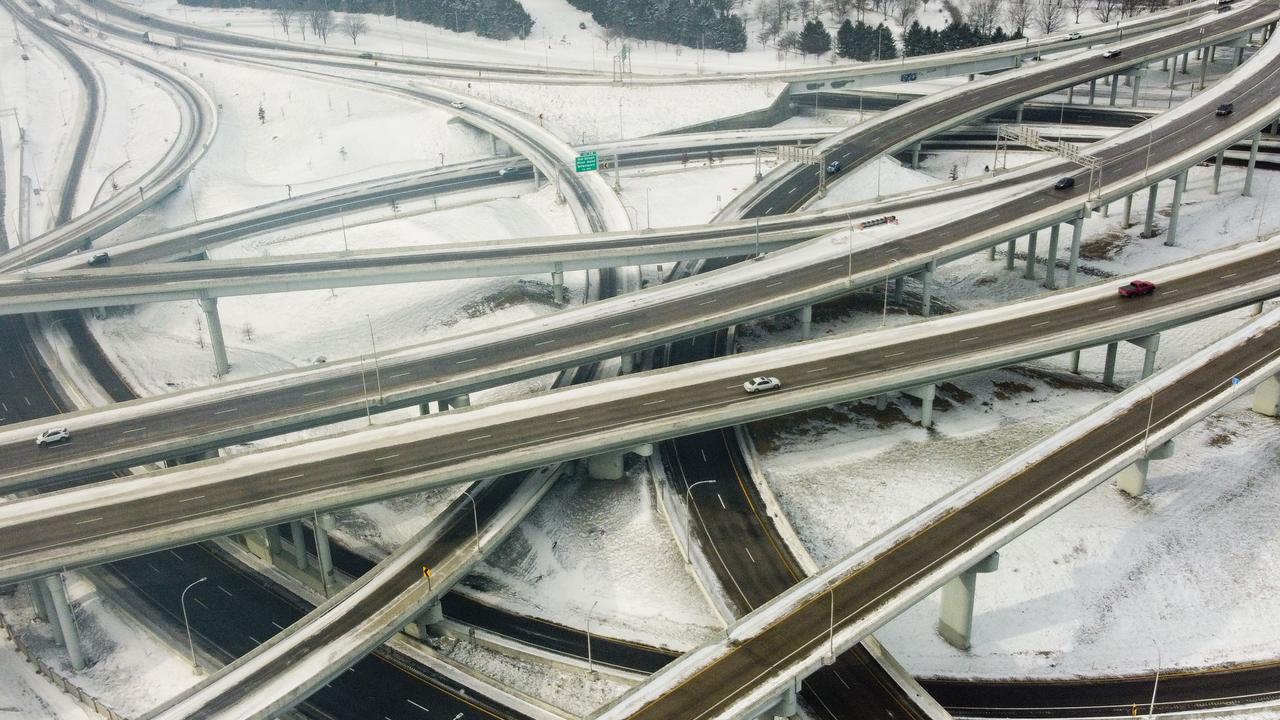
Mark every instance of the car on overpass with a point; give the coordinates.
(1065, 183)
(53, 436)
(1112, 53)
(100, 259)
(458, 105)
(1137, 288)
(834, 167)
(1072, 36)
(1225, 109)
(763, 383)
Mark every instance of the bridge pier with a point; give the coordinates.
(1115, 88)
(806, 322)
(1179, 184)
(787, 705)
(66, 622)
(210, 308)
(1093, 90)
(424, 409)
(1172, 73)
(1030, 271)
(1266, 396)
(915, 156)
(605, 467)
(421, 626)
(899, 283)
(323, 524)
(1136, 74)
(1051, 270)
(1185, 56)
(1109, 365)
(1017, 114)
(38, 603)
(1133, 479)
(926, 394)
(1125, 224)
(1150, 344)
(1204, 64)
(1217, 169)
(1009, 259)
(457, 401)
(626, 364)
(1149, 225)
(926, 279)
(1253, 162)
(299, 544)
(955, 620)
(557, 286)
(1073, 260)
(1239, 59)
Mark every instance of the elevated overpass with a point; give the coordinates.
(214, 498)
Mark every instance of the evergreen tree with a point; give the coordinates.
(846, 40)
(864, 41)
(888, 47)
(998, 36)
(913, 41)
(814, 38)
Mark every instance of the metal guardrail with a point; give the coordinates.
(59, 680)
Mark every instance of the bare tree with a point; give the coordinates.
(839, 9)
(1104, 9)
(1018, 14)
(1129, 8)
(984, 15)
(284, 14)
(302, 24)
(1077, 7)
(903, 11)
(321, 20)
(807, 8)
(353, 26)
(1050, 15)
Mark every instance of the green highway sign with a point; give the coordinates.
(586, 162)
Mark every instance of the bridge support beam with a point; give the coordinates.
(1150, 344)
(605, 467)
(1115, 88)
(915, 156)
(210, 308)
(1266, 396)
(1030, 271)
(299, 544)
(323, 524)
(66, 622)
(1133, 479)
(899, 283)
(1127, 223)
(1073, 260)
(1204, 64)
(1017, 114)
(1093, 90)
(557, 286)
(1239, 57)
(1253, 162)
(806, 322)
(1172, 74)
(1185, 57)
(1217, 169)
(1137, 82)
(1109, 366)
(1051, 269)
(926, 394)
(1149, 224)
(421, 626)
(926, 289)
(1009, 259)
(1179, 184)
(955, 621)
(38, 601)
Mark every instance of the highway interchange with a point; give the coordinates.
(667, 319)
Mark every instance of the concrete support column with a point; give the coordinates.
(1173, 75)
(1217, 169)
(806, 322)
(605, 467)
(1115, 88)
(1075, 361)
(1150, 344)
(1164, 64)
(422, 626)
(991, 253)
(926, 394)
(1253, 161)
(955, 621)
(299, 544)
(1133, 479)
(41, 608)
(1127, 223)
(1073, 261)
(1204, 66)
(324, 523)
(1030, 271)
(274, 547)
(66, 623)
(210, 308)
(1008, 256)
(1051, 268)
(459, 401)
(537, 178)
(1093, 90)
(1275, 126)
(1071, 94)
(1266, 396)
(1179, 184)
(1137, 82)
(1109, 367)
(1239, 57)
(898, 284)
(626, 364)
(915, 156)
(1185, 56)
(1017, 114)
(788, 705)
(926, 290)
(1149, 225)
(557, 286)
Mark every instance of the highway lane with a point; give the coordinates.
(187, 422)
(710, 690)
(126, 517)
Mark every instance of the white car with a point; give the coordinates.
(458, 104)
(506, 171)
(1073, 36)
(761, 384)
(53, 436)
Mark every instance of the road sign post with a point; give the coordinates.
(586, 161)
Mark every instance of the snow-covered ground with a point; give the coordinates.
(28, 694)
(128, 669)
(1076, 595)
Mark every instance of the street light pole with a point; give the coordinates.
(182, 600)
(1156, 686)
(688, 523)
(475, 517)
(590, 667)
(377, 371)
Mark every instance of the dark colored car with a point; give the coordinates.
(1137, 288)
(1114, 52)
(100, 259)
(1225, 109)
(1065, 183)
(834, 167)
(366, 56)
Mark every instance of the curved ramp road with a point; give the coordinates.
(886, 576)
(120, 518)
(173, 425)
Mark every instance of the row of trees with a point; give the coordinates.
(860, 41)
(920, 40)
(500, 19)
(1049, 16)
(694, 23)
